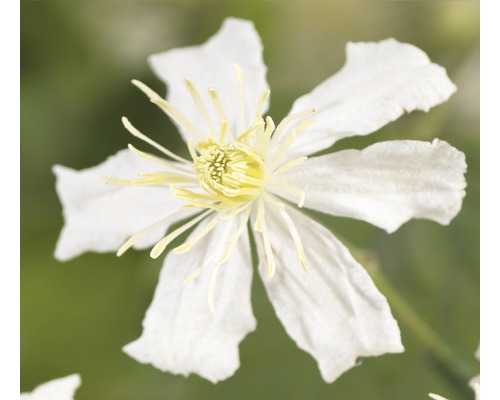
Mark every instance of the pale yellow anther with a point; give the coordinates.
(146, 90)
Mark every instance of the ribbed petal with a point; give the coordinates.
(378, 83)
(57, 389)
(100, 216)
(181, 335)
(333, 311)
(211, 66)
(385, 184)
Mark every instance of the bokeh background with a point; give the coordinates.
(77, 60)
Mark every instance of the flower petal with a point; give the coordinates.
(211, 66)
(100, 216)
(378, 83)
(385, 184)
(181, 335)
(57, 389)
(333, 311)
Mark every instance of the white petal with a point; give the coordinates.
(385, 184)
(333, 311)
(211, 66)
(100, 216)
(378, 83)
(181, 335)
(57, 389)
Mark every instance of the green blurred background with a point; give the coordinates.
(77, 60)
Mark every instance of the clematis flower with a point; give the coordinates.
(249, 176)
(57, 389)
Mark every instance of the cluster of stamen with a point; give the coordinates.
(233, 173)
(228, 175)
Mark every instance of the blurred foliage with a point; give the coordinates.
(77, 59)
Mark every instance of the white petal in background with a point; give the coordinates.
(57, 389)
(211, 66)
(378, 83)
(181, 335)
(385, 184)
(100, 216)
(334, 311)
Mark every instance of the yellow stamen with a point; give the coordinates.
(287, 142)
(234, 239)
(163, 243)
(160, 160)
(193, 276)
(134, 131)
(241, 94)
(288, 165)
(198, 235)
(136, 237)
(296, 238)
(299, 193)
(287, 120)
(259, 220)
(177, 116)
(199, 104)
(271, 262)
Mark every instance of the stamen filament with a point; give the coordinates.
(177, 116)
(261, 102)
(163, 243)
(271, 261)
(288, 165)
(135, 132)
(259, 220)
(146, 90)
(286, 121)
(241, 94)
(296, 238)
(287, 142)
(199, 104)
(136, 237)
(193, 276)
(300, 193)
(165, 106)
(218, 106)
(234, 239)
(198, 235)
(271, 199)
(265, 138)
(160, 160)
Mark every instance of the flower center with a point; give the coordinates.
(233, 173)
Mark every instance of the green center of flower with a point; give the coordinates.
(232, 173)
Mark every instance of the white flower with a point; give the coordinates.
(245, 171)
(57, 389)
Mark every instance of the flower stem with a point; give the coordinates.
(456, 370)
